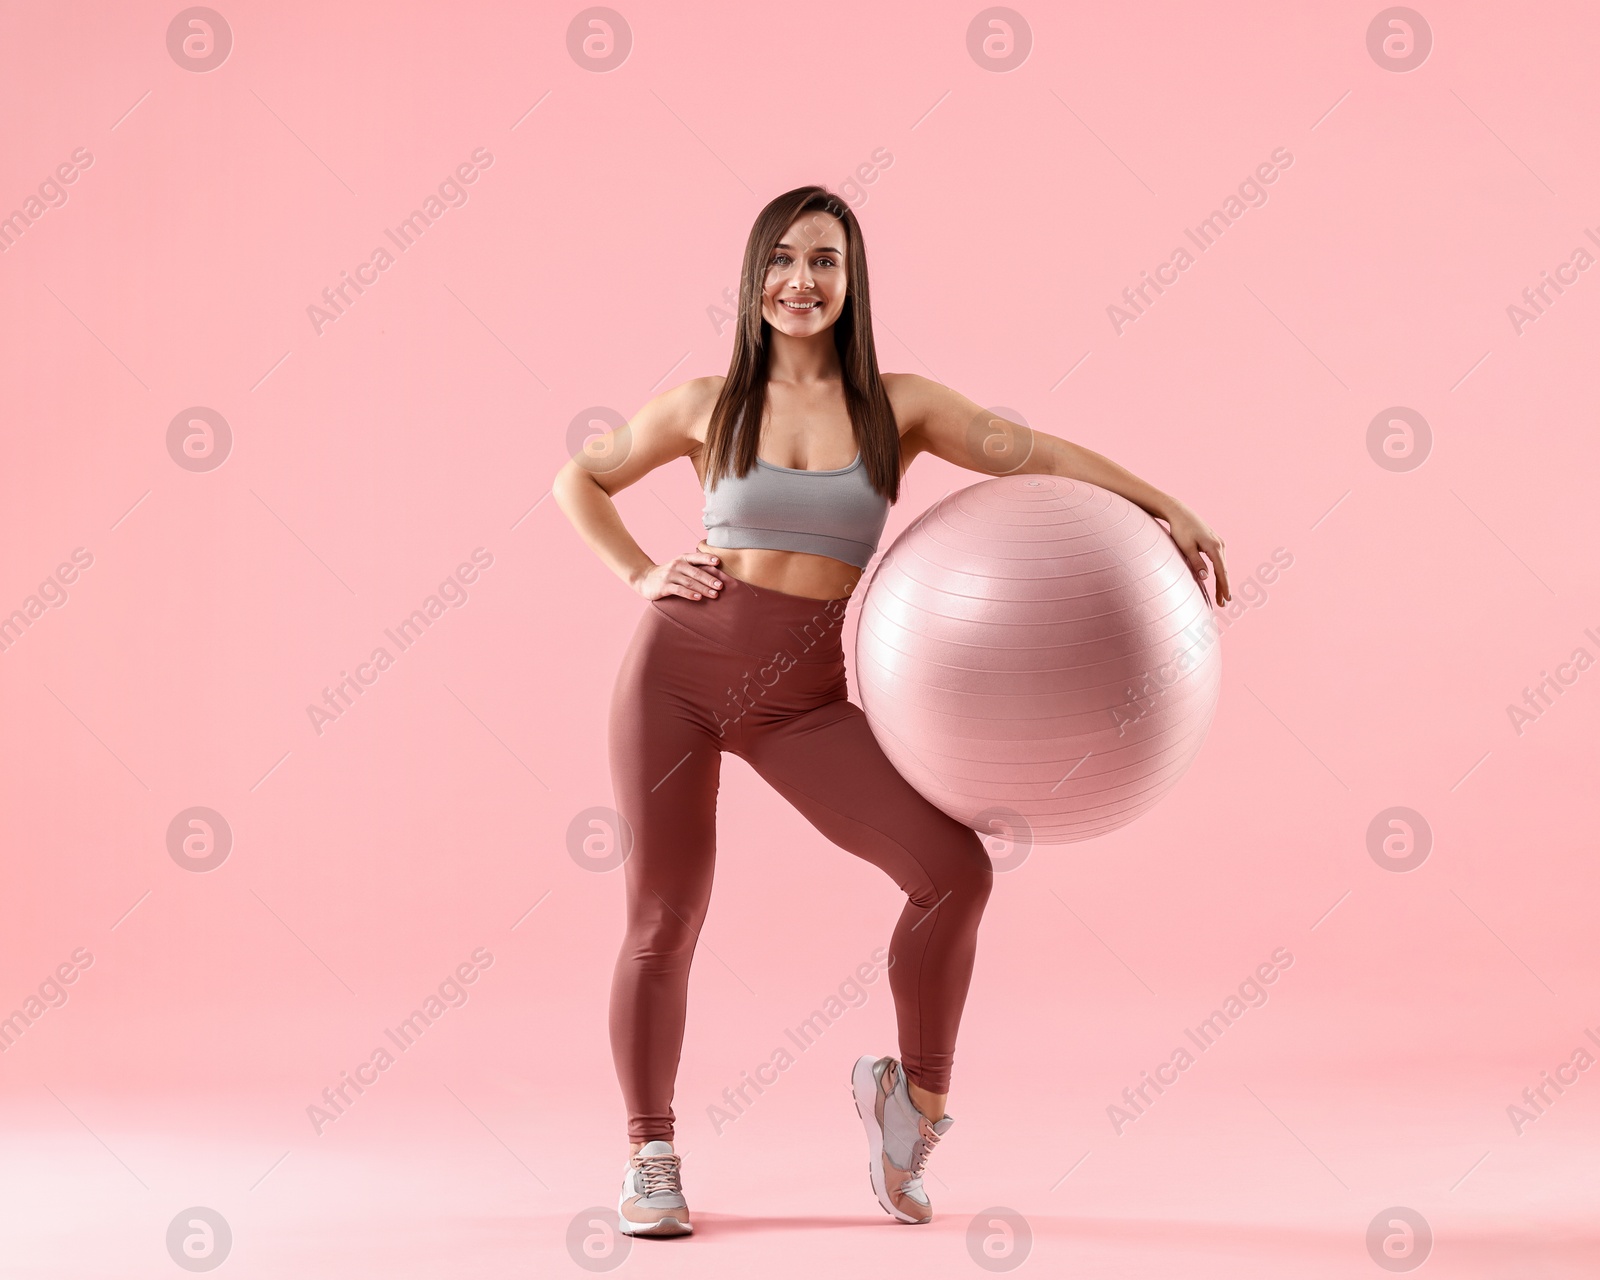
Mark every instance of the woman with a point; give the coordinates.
(741, 652)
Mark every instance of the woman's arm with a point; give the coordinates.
(948, 425)
(584, 486)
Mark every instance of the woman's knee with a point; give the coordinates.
(660, 936)
(959, 871)
(974, 878)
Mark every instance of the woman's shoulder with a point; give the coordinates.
(696, 398)
(910, 396)
(685, 409)
(697, 391)
(909, 385)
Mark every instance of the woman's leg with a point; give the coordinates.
(826, 762)
(665, 764)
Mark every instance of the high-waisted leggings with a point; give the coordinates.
(761, 673)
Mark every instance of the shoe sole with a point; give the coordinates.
(864, 1087)
(666, 1227)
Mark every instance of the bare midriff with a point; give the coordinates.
(795, 573)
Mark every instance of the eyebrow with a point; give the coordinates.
(824, 248)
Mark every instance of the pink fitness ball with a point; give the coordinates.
(1036, 658)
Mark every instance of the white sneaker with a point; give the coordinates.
(652, 1202)
(899, 1137)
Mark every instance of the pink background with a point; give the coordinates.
(430, 819)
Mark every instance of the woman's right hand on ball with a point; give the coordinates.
(681, 576)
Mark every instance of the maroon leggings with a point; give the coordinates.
(761, 673)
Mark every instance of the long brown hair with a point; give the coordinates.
(744, 391)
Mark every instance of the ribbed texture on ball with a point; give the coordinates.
(1039, 645)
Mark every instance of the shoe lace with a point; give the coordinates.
(925, 1143)
(659, 1173)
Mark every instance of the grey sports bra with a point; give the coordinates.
(828, 513)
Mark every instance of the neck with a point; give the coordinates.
(812, 359)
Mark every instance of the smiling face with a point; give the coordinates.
(804, 291)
